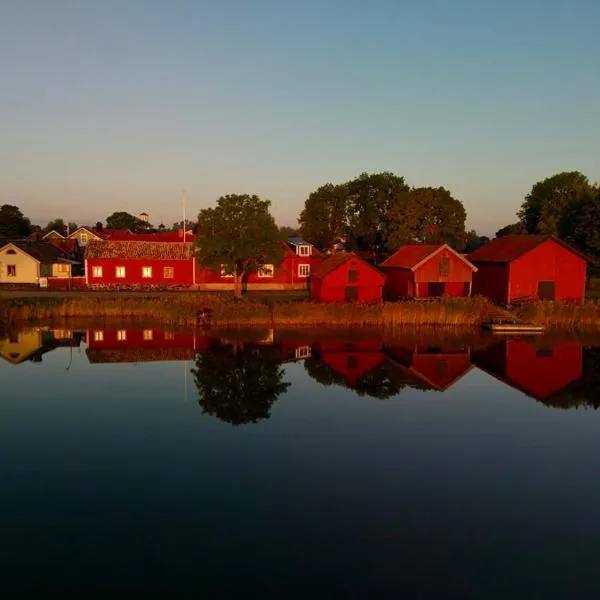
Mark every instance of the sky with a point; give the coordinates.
(121, 104)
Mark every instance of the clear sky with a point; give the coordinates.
(119, 104)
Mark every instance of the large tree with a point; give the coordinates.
(426, 215)
(288, 231)
(512, 229)
(323, 222)
(238, 383)
(238, 236)
(124, 220)
(12, 222)
(585, 234)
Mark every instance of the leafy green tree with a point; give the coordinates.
(123, 220)
(189, 225)
(238, 384)
(287, 231)
(473, 241)
(426, 215)
(57, 225)
(512, 229)
(369, 199)
(238, 236)
(323, 222)
(12, 222)
(552, 204)
(586, 229)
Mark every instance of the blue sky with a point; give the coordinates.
(119, 104)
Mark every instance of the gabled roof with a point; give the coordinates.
(139, 250)
(43, 252)
(337, 260)
(294, 240)
(69, 245)
(53, 234)
(412, 256)
(510, 247)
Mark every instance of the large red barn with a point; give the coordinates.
(426, 271)
(526, 267)
(345, 277)
(132, 263)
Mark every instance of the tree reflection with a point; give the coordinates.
(238, 384)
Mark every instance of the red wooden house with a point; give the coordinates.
(351, 360)
(300, 258)
(526, 267)
(345, 277)
(425, 271)
(132, 263)
(535, 370)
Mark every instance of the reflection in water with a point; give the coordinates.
(240, 376)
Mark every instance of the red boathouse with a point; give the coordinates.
(127, 263)
(527, 267)
(427, 271)
(345, 277)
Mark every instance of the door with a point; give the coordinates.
(351, 293)
(546, 290)
(436, 289)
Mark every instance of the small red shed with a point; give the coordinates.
(527, 267)
(427, 271)
(345, 277)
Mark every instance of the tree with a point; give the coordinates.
(99, 226)
(426, 215)
(323, 222)
(238, 236)
(553, 203)
(12, 222)
(369, 200)
(512, 229)
(473, 241)
(238, 384)
(586, 229)
(123, 220)
(287, 231)
(57, 225)
(189, 225)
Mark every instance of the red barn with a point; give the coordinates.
(535, 370)
(126, 263)
(527, 267)
(345, 277)
(426, 271)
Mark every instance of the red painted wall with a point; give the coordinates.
(353, 365)
(183, 275)
(491, 281)
(332, 288)
(548, 262)
(442, 369)
(135, 339)
(399, 283)
(66, 282)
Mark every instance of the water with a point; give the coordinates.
(295, 465)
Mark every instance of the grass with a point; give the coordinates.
(558, 315)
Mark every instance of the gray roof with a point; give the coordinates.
(297, 241)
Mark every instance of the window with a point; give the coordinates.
(148, 334)
(303, 352)
(11, 251)
(62, 268)
(96, 271)
(83, 239)
(303, 270)
(303, 250)
(352, 275)
(122, 335)
(169, 336)
(147, 272)
(120, 272)
(224, 271)
(168, 272)
(444, 265)
(98, 336)
(266, 271)
(11, 270)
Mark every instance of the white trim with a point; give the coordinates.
(306, 272)
(144, 272)
(117, 276)
(301, 247)
(442, 247)
(57, 233)
(85, 266)
(265, 272)
(11, 245)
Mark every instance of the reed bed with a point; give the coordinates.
(559, 315)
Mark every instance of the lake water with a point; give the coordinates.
(298, 464)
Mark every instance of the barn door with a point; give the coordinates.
(546, 290)
(351, 293)
(436, 289)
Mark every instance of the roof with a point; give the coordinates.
(137, 250)
(53, 233)
(412, 256)
(337, 260)
(297, 241)
(510, 247)
(43, 252)
(69, 245)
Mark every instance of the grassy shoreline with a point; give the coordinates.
(227, 312)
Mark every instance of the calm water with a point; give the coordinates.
(295, 465)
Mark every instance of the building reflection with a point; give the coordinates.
(30, 345)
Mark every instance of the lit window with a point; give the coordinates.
(146, 272)
(98, 336)
(169, 336)
(122, 335)
(303, 352)
(444, 265)
(11, 270)
(168, 272)
(120, 272)
(148, 334)
(96, 271)
(266, 271)
(83, 239)
(225, 271)
(303, 270)
(304, 250)
(62, 268)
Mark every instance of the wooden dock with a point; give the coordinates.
(499, 320)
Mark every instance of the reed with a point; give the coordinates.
(559, 315)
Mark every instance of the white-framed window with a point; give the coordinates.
(303, 250)
(303, 270)
(97, 272)
(83, 239)
(266, 271)
(120, 272)
(62, 268)
(98, 336)
(148, 334)
(122, 335)
(303, 352)
(147, 272)
(11, 270)
(224, 272)
(168, 272)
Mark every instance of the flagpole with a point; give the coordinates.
(183, 209)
